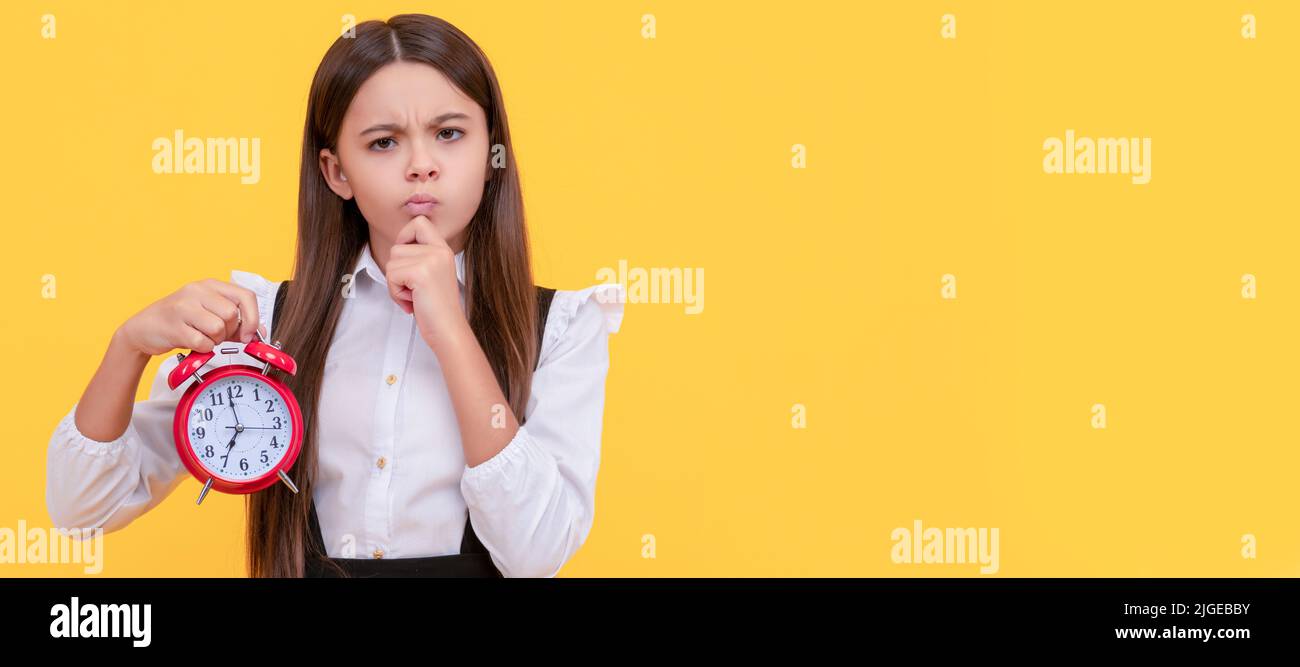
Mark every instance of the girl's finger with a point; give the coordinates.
(196, 340)
(396, 276)
(407, 250)
(227, 310)
(418, 230)
(247, 306)
(205, 322)
(402, 295)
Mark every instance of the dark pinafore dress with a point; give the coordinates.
(473, 559)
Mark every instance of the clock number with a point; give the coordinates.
(265, 459)
(207, 452)
(207, 414)
(243, 464)
(274, 443)
(234, 391)
(268, 405)
(199, 431)
(217, 399)
(224, 460)
(277, 422)
(255, 396)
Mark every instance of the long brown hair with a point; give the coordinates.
(500, 296)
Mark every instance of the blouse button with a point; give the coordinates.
(381, 462)
(379, 553)
(391, 379)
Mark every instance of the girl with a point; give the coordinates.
(454, 410)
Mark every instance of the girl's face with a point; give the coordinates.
(409, 131)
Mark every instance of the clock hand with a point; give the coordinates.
(245, 428)
(230, 447)
(232, 408)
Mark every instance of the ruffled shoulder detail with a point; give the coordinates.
(608, 297)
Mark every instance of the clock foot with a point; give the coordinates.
(288, 482)
(204, 492)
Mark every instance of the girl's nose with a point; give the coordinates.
(421, 173)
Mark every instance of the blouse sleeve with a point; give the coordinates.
(91, 484)
(533, 503)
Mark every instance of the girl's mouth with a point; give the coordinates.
(419, 208)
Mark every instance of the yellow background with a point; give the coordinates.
(924, 157)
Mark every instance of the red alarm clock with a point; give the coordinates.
(237, 429)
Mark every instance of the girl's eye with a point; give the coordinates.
(375, 143)
(451, 129)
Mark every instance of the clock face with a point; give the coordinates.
(239, 428)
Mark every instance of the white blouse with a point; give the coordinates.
(392, 481)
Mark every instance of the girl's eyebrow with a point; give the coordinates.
(394, 127)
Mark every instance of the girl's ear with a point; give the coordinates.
(331, 169)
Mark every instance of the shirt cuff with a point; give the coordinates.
(514, 453)
(72, 437)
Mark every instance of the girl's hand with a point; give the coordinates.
(198, 316)
(421, 276)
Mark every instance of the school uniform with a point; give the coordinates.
(393, 494)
